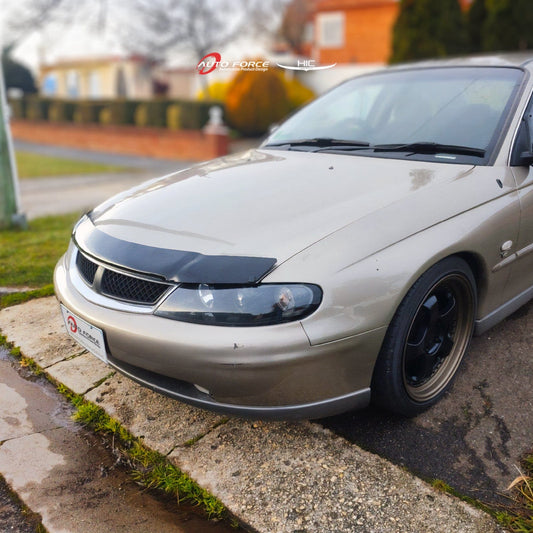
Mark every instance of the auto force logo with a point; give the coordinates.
(213, 61)
(208, 63)
(71, 321)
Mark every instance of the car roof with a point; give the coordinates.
(504, 59)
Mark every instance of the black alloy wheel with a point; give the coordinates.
(427, 339)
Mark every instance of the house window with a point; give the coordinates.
(73, 84)
(121, 89)
(94, 85)
(330, 30)
(49, 87)
(308, 33)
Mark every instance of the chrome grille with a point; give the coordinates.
(131, 289)
(86, 268)
(117, 285)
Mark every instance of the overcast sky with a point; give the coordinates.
(80, 36)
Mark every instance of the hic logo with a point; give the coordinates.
(306, 65)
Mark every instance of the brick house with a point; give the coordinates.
(352, 31)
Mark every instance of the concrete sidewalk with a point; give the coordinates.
(275, 477)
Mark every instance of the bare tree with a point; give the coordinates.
(294, 23)
(200, 26)
(152, 27)
(27, 16)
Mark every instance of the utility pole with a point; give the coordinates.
(10, 214)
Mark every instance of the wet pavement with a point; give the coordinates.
(68, 475)
(476, 436)
(13, 516)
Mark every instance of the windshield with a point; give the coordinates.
(424, 111)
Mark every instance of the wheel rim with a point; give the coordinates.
(438, 337)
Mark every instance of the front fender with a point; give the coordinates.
(363, 294)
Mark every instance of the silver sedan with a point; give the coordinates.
(349, 259)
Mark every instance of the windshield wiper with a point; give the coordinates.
(430, 148)
(326, 143)
(321, 142)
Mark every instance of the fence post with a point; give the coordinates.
(217, 132)
(9, 194)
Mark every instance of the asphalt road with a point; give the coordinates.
(68, 194)
(149, 164)
(475, 437)
(13, 517)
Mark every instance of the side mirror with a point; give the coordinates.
(526, 158)
(272, 128)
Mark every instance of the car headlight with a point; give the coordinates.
(259, 305)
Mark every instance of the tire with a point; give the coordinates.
(426, 339)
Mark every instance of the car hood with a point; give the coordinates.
(262, 206)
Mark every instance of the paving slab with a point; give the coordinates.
(16, 420)
(38, 329)
(80, 374)
(277, 477)
(163, 422)
(286, 477)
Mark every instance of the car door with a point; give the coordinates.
(521, 279)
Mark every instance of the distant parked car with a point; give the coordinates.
(349, 259)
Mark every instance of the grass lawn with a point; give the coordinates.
(27, 258)
(32, 165)
(519, 517)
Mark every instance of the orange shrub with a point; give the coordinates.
(255, 100)
(298, 93)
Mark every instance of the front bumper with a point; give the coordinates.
(263, 372)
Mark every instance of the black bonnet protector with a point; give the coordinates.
(172, 265)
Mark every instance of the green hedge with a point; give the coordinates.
(61, 111)
(88, 112)
(152, 113)
(18, 107)
(193, 115)
(37, 108)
